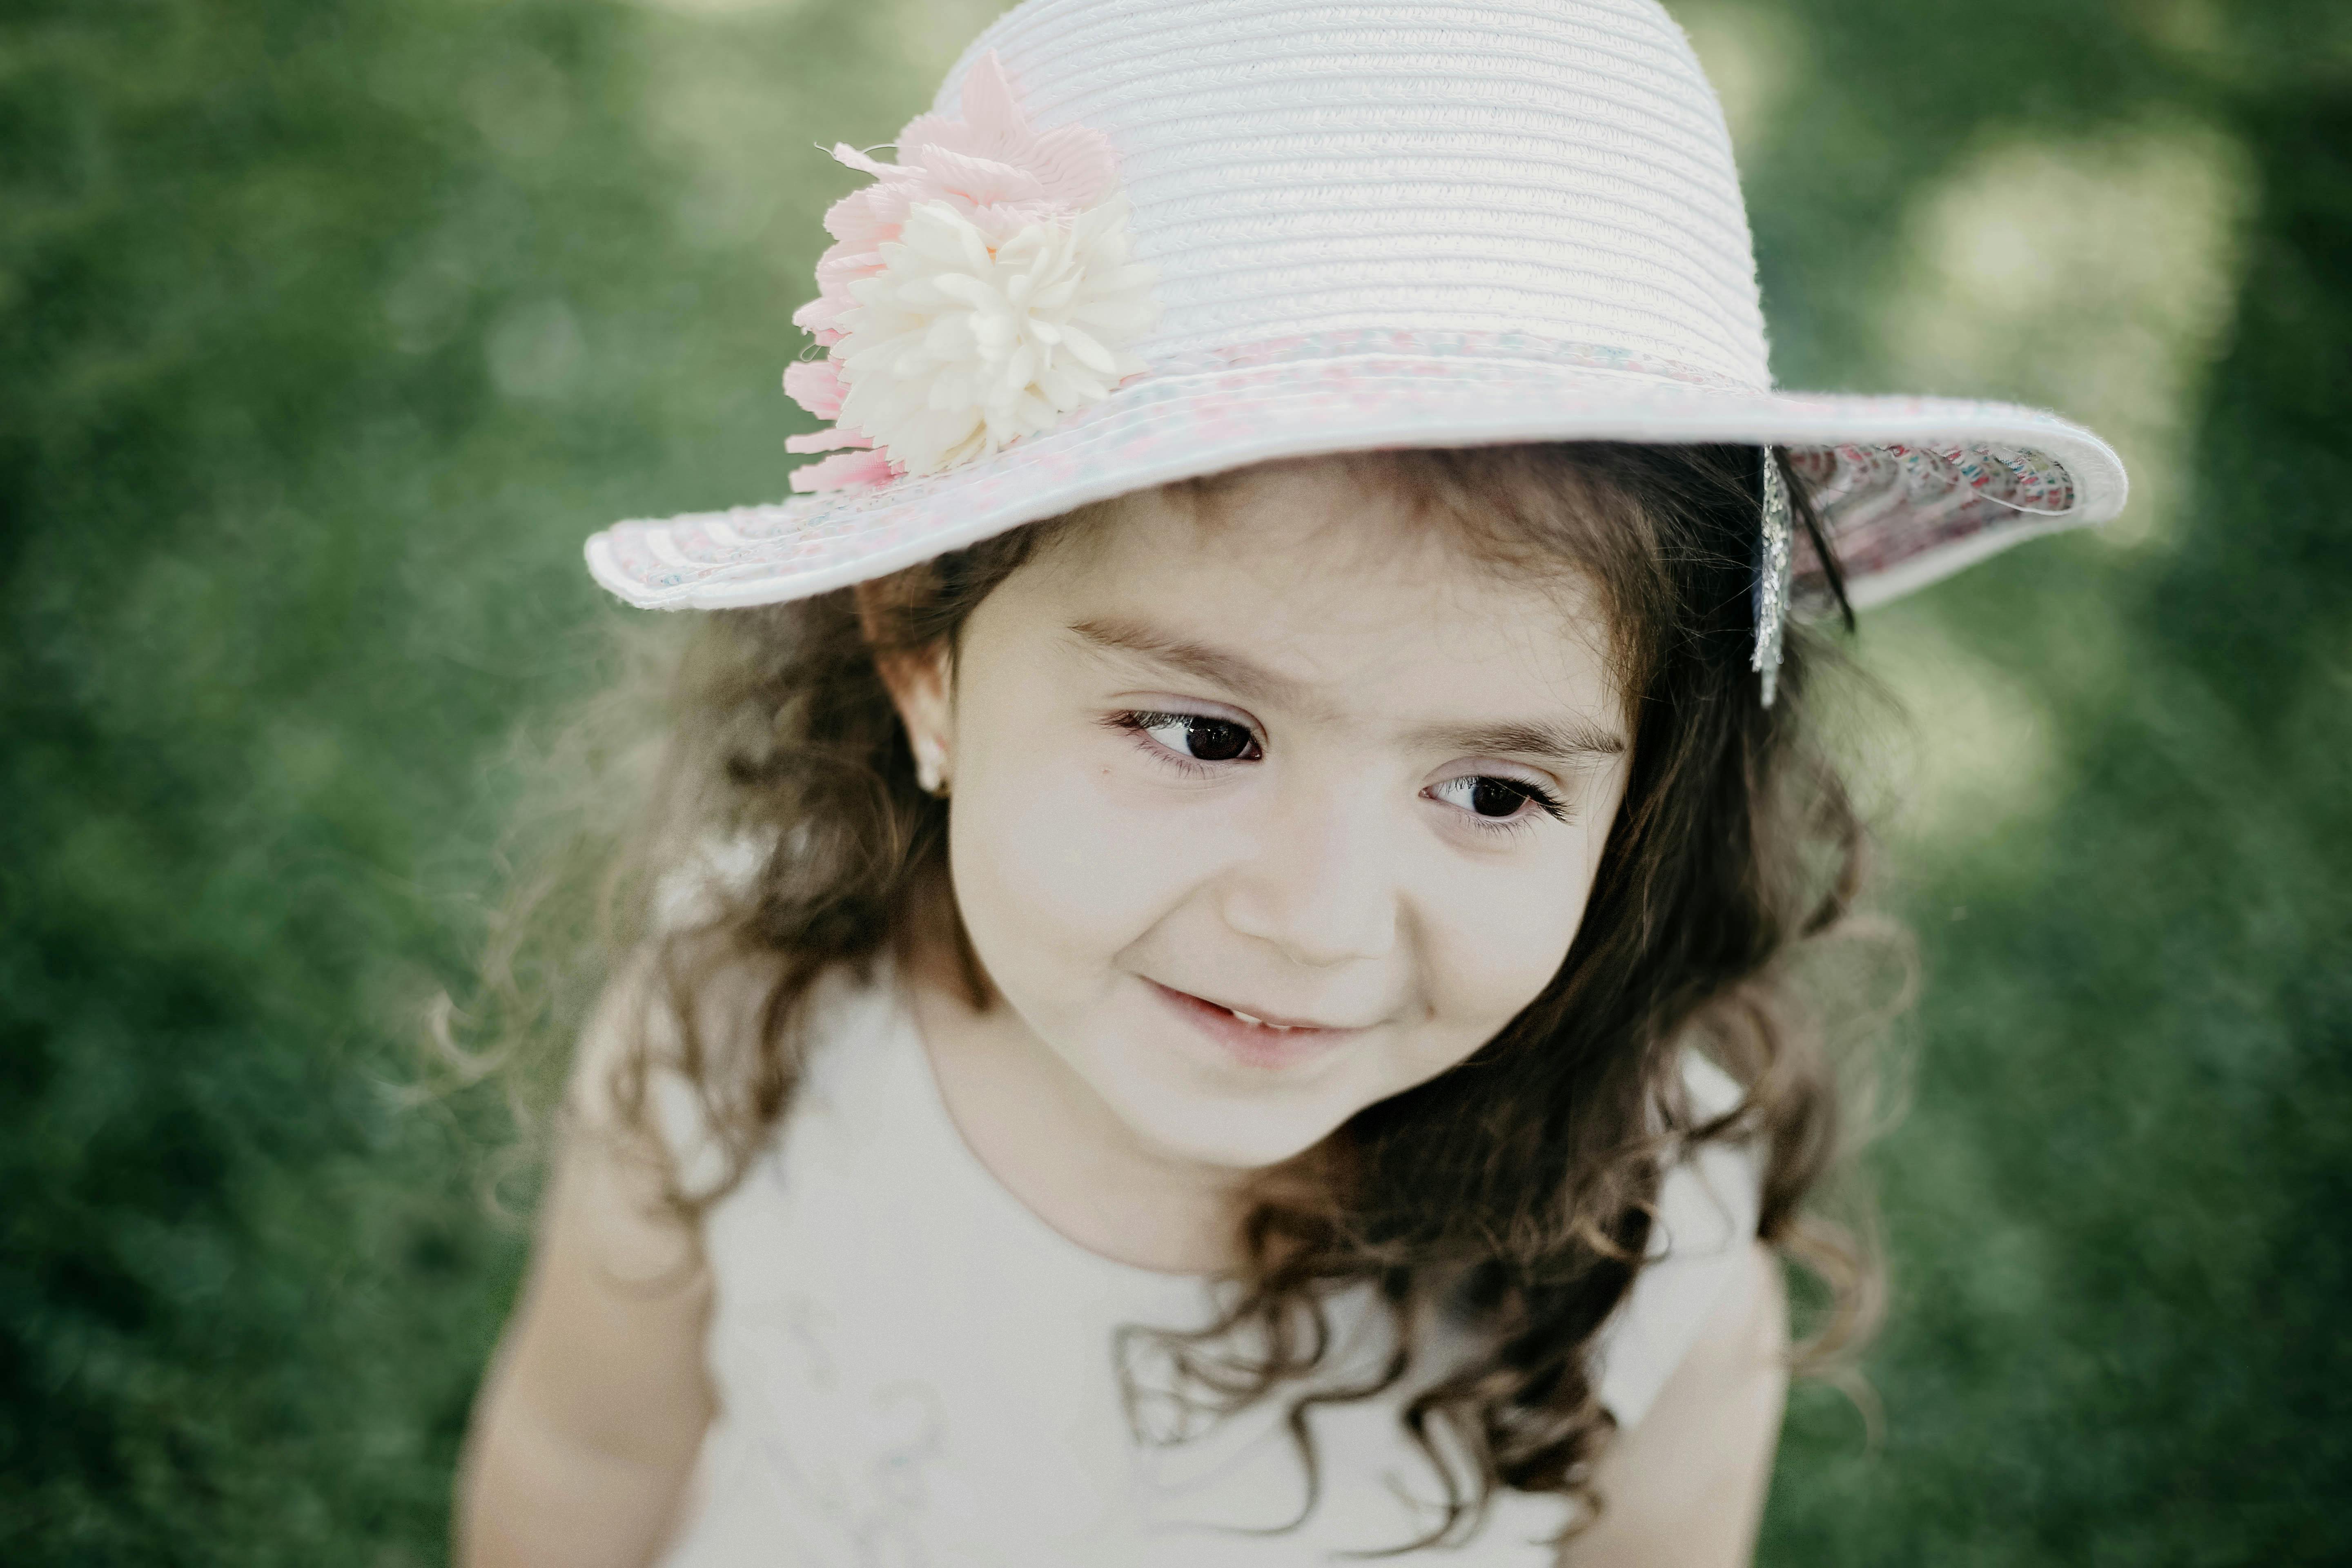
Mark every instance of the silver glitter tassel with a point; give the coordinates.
(1773, 566)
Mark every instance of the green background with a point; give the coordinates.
(328, 327)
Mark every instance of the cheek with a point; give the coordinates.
(1056, 874)
(1494, 942)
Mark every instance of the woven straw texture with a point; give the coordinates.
(1396, 223)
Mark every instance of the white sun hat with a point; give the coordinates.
(1143, 240)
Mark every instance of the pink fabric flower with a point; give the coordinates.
(994, 170)
(815, 386)
(843, 470)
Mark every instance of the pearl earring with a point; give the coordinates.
(930, 766)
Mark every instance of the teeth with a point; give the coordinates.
(1260, 1023)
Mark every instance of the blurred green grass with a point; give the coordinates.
(327, 328)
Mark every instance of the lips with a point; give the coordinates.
(1257, 1039)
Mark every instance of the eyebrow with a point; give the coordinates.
(1242, 675)
(1575, 744)
(1571, 745)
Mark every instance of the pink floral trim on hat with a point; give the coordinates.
(1897, 512)
(978, 291)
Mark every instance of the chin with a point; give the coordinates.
(1237, 1127)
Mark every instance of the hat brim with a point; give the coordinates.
(1911, 489)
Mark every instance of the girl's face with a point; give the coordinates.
(1266, 810)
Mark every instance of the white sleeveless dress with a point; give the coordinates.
(914, 1371)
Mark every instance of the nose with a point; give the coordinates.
(1321, 886)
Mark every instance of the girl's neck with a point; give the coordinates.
(1052, 1143)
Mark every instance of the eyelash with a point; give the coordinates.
(1139, 721)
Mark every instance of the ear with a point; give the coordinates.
(922, 687)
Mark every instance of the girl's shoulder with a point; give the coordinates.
(708, 1119)
(1708, 1205)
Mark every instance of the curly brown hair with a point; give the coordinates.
(1514, 1192)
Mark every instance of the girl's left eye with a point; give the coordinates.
(1498, 800)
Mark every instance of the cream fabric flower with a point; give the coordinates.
(956, 348)
(979, 290)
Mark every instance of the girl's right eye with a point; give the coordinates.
(1195, 737)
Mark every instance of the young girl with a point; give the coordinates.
(1218, 987)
